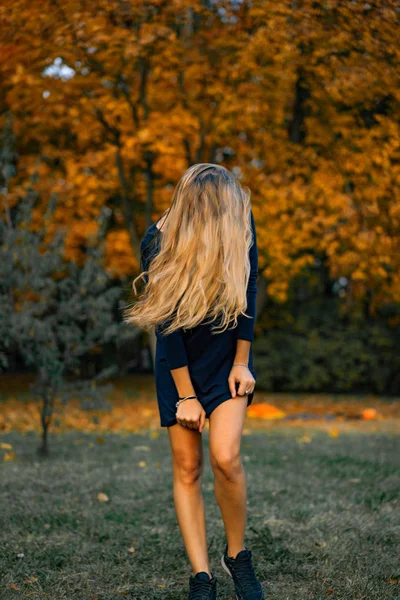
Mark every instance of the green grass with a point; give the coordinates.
(323, 518)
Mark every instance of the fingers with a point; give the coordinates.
(242, 376)
(232, 385)
(189, 414)
(202, 420)
(242, 388)
(193, 422)
(187, 423)
(246, 385)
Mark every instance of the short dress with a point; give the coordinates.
(209, 357)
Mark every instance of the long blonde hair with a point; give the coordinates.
(202, 268)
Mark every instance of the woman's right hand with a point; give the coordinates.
(191, 414)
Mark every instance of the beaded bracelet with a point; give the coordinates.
(184, 398)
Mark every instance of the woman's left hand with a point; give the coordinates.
(243, 376)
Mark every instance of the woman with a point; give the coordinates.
(200, 265)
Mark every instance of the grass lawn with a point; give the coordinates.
(323, 517)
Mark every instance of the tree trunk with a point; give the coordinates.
(43, 449)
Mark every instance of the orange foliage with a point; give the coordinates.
(125, 416)
(111, 102)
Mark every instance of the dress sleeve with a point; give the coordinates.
(245, 327)
(174, 346)
(173, 343)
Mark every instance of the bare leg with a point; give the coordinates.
(225, 432)
(188, 465)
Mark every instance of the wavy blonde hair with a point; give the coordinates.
(202, 268)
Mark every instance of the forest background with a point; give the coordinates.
(103, 106)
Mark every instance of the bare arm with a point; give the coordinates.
(242, 374)
(242, 352)
(182, 381)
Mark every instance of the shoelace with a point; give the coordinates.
(199, 589)
(244, 574)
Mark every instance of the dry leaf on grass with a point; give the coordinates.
(13, 586)
(334, 432)
(102, 497)
(9, 456)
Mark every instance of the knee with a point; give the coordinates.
(187, 470)
(227, 465)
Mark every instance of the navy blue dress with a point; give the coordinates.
(209, 357)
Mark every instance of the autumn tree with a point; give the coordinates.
(111, 102)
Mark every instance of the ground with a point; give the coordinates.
(96, 521)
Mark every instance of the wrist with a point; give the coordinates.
(242, 354)
(185, 391)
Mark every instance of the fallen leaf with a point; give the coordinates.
(334, 432)
(13, 586)
(9, 456)
(5, 446)
(102, 497)
(142, 463)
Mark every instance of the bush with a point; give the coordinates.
(322, 352)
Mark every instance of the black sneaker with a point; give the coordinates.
(247, 586)
(202, 586)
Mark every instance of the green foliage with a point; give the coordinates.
(320, 351)
(53, 312)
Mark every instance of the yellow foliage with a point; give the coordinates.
(303, 102)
